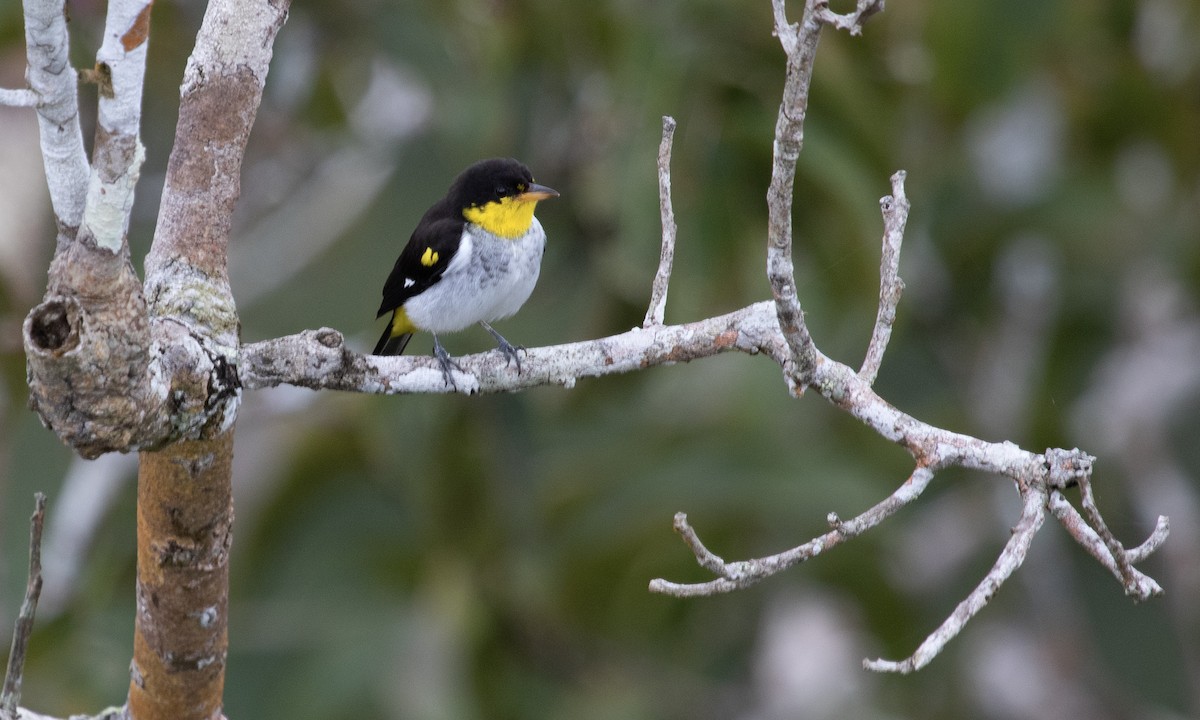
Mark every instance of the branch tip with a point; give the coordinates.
(662, 277)
(10, 696)
(895, 209)
(19, 97)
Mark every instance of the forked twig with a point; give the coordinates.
(742, 574)
(1137, 585)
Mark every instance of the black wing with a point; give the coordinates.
(423, 260)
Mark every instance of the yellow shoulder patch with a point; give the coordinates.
(430, 258)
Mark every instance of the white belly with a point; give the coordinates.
(490, 278)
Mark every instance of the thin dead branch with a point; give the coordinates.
(1012, 557)
(662, 278)
(10, 696)
(895, 215)
(743, 574)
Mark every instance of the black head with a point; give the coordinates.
(493, 180)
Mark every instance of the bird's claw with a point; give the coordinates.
(504, 346)
(510, 353)
(446, 362)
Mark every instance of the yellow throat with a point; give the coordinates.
(508, 217)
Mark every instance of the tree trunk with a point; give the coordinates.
(184, 528)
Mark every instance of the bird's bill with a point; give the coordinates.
(537, 192)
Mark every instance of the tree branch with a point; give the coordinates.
(800, 45)
(895, 215)
(19, 97)
(10, 696)
(799, 41)
(1035, 476)
(662, 278)
(319, 359)
(87, 342)
(1011, 558)
(1144, 587)
(743, 574)
(52, 82)
(118, 154)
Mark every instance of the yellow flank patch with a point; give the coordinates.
(400, 323)
(430, 258)
(508, 217)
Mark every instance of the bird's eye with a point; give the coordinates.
(501, 191)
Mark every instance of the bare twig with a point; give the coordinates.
(1011, 558)
(1096, 520)
(799, 42)
(895, 215)
(850, 22)
(662, 278)
(708, 561)
(1067, 470)
(10, 697)
(742, 574)
(19, 97)
(1144, 587)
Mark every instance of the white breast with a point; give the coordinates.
(490, 278)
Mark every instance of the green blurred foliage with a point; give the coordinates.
(437, 557)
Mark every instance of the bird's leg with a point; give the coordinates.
(445, 361)
(510, 352)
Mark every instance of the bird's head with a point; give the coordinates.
(499, 195)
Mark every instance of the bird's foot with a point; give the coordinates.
(446, 362)
(510, 351)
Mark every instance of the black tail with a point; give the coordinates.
(389, 344)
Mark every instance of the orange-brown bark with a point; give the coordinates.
(184, 527)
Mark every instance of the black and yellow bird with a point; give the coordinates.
(473, 258)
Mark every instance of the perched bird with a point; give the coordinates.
(473, 258)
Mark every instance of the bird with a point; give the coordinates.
(474, 257)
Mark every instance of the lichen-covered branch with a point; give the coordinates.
(1012, 557)
(1039, 478)
(319, 359)
(118, 153)
(662, 278)
(87, 343)
(1143, 586)
(52, 92)
(744, 573)
(187, 279)
(800, 45)
(895, 216)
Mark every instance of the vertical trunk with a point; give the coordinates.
(184, 529)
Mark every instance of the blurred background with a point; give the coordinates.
(487, 557)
